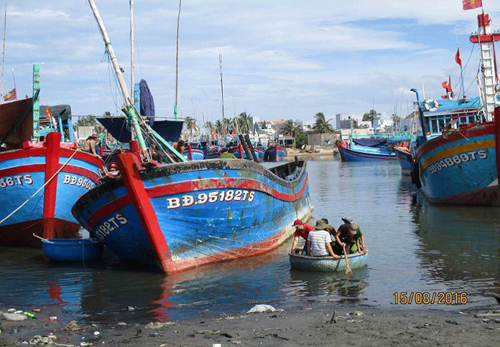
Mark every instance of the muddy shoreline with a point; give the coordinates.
(321, 326)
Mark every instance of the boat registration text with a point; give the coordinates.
(212, 197)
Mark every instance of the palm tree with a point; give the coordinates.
(245, 123)
(218, 127)
(291, 128)
(211, 128)
(370, 116)
(191, 127)
(322, 125)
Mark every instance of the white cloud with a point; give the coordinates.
(281, 59)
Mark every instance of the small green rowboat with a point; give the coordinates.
(327, 264)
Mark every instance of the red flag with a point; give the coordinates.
(457, 58)
(10, 96)
(48, 112)
(472, 4)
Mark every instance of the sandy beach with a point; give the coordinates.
(335, 325)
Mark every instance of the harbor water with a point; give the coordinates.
(415, 247)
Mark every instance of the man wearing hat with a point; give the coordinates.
(343, 236)
(91, 144)
(301, 230)
(318, 241)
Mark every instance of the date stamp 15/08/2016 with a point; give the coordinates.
(431, 298)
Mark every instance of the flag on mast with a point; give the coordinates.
(472, 4)
(457, 57)
(10, 96)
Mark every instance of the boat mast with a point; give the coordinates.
(486, 41)
(132, 61)
(3, 51)
(222, 93)
(131, 113)
(177, 60)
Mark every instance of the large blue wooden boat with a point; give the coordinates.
(39, 181)
(175, 215)
(457, 159)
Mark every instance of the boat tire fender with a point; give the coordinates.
(431, 102)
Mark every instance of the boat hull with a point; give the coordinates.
(275, 153)
(185, 215)
(31, 201)
(461, 169)
(404, 160)
(326, 264)
(71, 250)
(363, 153)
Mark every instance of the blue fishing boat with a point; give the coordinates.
(193, 153)
(405, 159)
(457, 158)
(327, 264)
(275, 153)
(366, 150)
(175, 215)
(40, 180)
(71, 250)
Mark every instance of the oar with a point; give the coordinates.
(348, 270)
(41, 238)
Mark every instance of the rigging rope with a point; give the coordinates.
(39, 189)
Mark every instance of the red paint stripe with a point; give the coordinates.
(22, 169)
(120, 203)
(106, 210)
(19, 170)
(128, 165)
(50, 191)
(484, 129)
(41, 152)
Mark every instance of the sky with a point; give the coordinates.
(280, 59)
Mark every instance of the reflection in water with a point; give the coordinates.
(414, 246)
(460, 245)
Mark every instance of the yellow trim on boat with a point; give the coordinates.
(468, 147)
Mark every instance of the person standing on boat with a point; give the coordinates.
(318, 241)
(343, 236)
(301, 230)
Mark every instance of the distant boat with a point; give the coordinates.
(40, 181)
(327, 264)
(457, 158)
(405, 159)
(366, 150)
(275, 153)
(193, 153)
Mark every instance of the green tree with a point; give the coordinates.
(395, 120)
(244, 123)
(370, 116)
(191, 128)
(218, 127)
(291, 128)
(322, 125)
(300, 140)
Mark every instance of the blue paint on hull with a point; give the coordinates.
(460, 175)
(364, 153)
(230, 210)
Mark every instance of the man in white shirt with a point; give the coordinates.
(318, 241)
